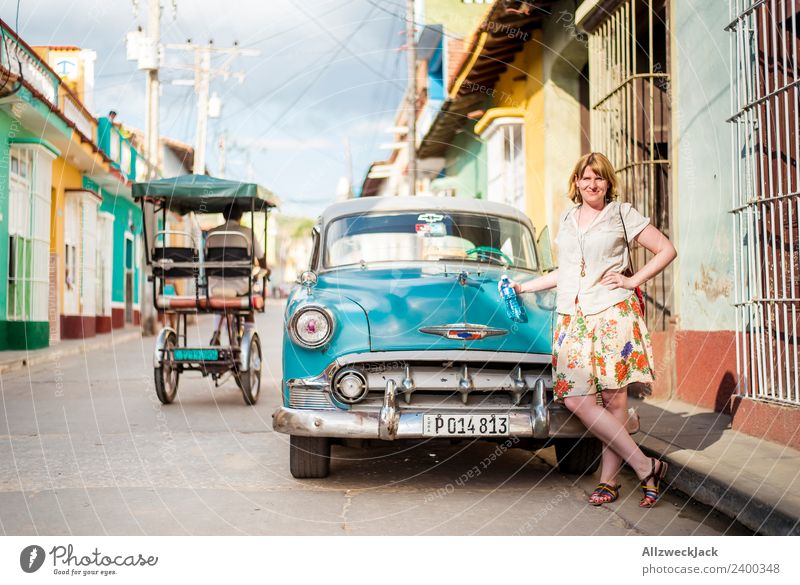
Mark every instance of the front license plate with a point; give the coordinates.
(195, 355)
(465, 425)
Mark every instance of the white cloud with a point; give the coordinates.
(298, 101)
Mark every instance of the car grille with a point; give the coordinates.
(441, 387)
(311, 398)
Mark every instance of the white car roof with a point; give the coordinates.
(464, 204)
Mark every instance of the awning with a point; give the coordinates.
(204, 194)
(502, 34)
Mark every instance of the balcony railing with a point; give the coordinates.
(427, 117)
(77, 114)
(20, 59)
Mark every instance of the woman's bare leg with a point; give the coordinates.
(617, 404)
(608, 428)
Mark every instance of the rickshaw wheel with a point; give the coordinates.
(250, 379)
(167, 377)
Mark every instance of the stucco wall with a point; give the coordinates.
(13, 334)
(5, 126)
(564, 55)
(702, 165)
(458, 18)
(520, 86)
(9, 128)
(65, 176)
(466, 162)
(124, 211)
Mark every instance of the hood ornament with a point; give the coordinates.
(463, 331)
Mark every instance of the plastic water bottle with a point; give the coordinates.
(514, 308)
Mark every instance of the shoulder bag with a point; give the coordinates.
(629, 270)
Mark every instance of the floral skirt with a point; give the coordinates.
(606, 350)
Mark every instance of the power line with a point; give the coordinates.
(302, 24)
(308, 87)
(340, 43)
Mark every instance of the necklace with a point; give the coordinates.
(581, 238)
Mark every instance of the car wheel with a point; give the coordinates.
(250, 380)
(167, 376)
(309, 457)
(578, 456)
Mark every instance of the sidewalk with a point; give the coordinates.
(750, 479)
(18, 359)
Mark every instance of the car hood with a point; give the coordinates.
(401, 301)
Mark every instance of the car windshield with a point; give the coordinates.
(428, 236)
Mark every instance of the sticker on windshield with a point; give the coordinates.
(430, 218)
(431, 229)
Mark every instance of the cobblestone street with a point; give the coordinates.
(88, 449)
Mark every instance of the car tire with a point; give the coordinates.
(165, 377)
(249, 381)
(309, 457)
(578, 456)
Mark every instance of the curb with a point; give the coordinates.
(762, 515)
(49, 355)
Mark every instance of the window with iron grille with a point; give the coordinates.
(630, 121)
(29, 234)
(765, 45)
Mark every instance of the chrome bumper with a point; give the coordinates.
(542, 421)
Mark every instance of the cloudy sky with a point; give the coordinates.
(328, 71)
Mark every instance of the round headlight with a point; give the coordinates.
(350, 386)
(311, 326)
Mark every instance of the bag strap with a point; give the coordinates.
(625, 235)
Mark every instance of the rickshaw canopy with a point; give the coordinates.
(204, 194)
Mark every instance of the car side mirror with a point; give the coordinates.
(545, 250)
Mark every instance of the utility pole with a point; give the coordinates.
(202, 83)
(151, 144)
(203, 74)
(153, 88)
(412, 98)
(221, 162)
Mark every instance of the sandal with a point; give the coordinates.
(604, 493)
(652, 492)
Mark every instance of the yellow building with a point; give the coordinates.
(81, 259)
(498, 86)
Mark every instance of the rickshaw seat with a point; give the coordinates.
(220, 303)
(235, 302)
(179, 302)
(164, 255)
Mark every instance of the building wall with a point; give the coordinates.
(701, 203)
(466, 163)
(124, 211)
(5, 128)
(520, 86)
(13, 334)
(65, 176)
(458, 17)
(565, 54)
(702, 140)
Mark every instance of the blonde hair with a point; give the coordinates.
(602, 167)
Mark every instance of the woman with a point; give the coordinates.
(601, 342)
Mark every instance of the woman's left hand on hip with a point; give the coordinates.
(614, 280)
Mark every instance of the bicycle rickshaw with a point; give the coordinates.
(199, 263)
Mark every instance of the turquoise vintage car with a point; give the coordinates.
(397, 332)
